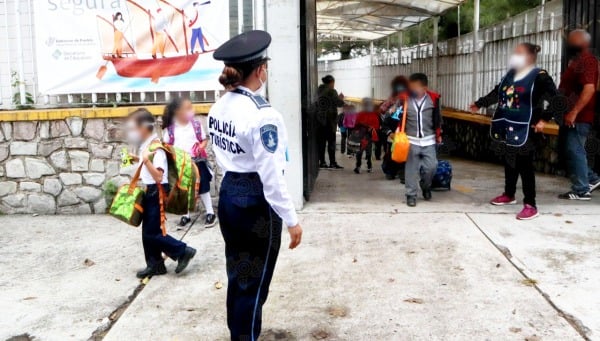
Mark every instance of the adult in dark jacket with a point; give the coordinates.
(327, 105)
(391, 111)
(521, 98)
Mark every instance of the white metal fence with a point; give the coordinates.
(370, 76)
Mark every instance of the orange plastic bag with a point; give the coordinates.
(401, 145)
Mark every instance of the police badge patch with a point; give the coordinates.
(269, 137)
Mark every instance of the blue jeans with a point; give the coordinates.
(197, 36)
(576, 155)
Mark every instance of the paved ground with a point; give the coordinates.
(369, 269)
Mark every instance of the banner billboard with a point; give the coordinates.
(87, 46)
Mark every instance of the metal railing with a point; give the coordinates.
(370, 76)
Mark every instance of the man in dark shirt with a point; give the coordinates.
(578, 84)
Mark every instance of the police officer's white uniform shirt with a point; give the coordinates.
(249, 139)
(159, 161)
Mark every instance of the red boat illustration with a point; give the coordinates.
(153, 68)
(139, 55)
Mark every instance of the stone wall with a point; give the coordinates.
(59, 167)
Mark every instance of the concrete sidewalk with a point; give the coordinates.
(369, 268)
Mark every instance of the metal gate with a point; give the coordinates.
(308, 38)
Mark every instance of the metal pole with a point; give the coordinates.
(436, 22)
(259, 14)
(372, 49)
(240, 16)
(21, 55)
(475, 52)
(458, 40)
(400, 41)
(419, 40)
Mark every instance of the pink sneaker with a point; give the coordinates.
(529, 212)
(503, 200)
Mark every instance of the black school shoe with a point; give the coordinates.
(150, 271)
(411, 201)
(323, 165)
(184, 260)
(427, 194)
(335, 166)
(184, 221)
(211, 220)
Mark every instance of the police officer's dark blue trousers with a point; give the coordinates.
(153, 240)
(252, 234)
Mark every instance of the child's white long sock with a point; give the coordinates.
(207, 202)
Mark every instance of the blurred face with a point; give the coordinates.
(399, 88)
(186, 112)
(367, 106)
(417, 88)
(135, 133)
(521, 58)
(577, 43)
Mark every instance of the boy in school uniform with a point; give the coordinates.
(424, 130)
(154, 174)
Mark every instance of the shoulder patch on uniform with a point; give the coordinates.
(269, 137)
(260, 101)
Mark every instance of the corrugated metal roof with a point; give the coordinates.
(374, 19)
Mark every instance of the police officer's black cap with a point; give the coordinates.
(248, 46)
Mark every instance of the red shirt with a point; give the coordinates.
(369, 119)
(581, 71)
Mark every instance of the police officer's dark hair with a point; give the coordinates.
(234, 74)
(143, 118)
(171, 109)
(419, 77)
(532, 49)
(328, 79)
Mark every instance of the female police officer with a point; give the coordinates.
(249, 140)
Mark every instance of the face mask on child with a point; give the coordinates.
(190, 115)
(517, 62)
(134, 137)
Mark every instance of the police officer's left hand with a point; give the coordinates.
(295, 236)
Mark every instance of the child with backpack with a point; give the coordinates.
(182, 130)
(365, 131)
(154, 176)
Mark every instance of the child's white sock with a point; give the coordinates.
(207, 202)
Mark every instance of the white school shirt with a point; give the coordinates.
(184, 136)
(159, 161)
(249, 136)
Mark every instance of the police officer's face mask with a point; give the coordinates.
(263, 83)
